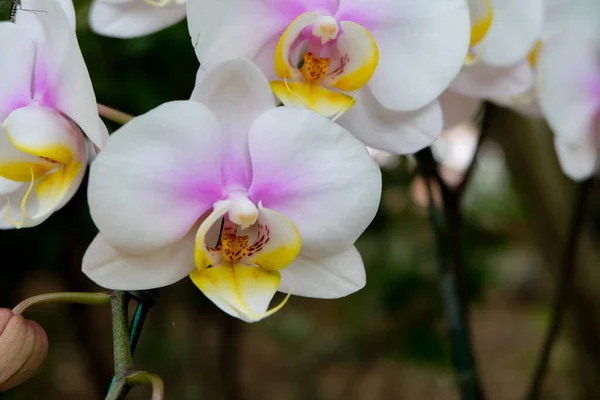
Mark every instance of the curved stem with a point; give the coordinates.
(94, 299)
(563, 291)
(114, 115)
(148, 378)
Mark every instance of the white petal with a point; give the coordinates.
(237, 93)
(129, 19)
(516, 26)
(458, 109)
(578, 160)
(400, 132)
(315, 173)
(568, 83)
(61, 77)
(113, 269)
(485, 81)
(69, 9)
(16, 70)
(326, 278)
(225, 29)
(422, 46)
(157, 175)
(7, 186)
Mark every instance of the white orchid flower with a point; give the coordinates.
(503, 34)
(379, 63)
(246, 198)
(47, 109)
(127, 19)
(569, 88)
(512, 85)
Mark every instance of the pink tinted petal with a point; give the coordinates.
(16, 68)
(61, 77)
(237, 93)
(156, 177)
(314, 172)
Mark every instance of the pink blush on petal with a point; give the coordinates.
(202, 190)
(13, 103)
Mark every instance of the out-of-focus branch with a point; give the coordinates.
(446, 224)
(548, 197)
(114, 115)
(564, 289)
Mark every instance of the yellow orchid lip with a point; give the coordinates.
(238, 267)
(340, 58)
(45, 151)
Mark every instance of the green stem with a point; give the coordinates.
(123, 362)
(94, 299)
(114, 115)
(446, 227)
(147, 378)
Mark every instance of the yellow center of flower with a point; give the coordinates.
(234, 248)
(323, 84)
(314, 68)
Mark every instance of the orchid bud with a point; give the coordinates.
(23, 348)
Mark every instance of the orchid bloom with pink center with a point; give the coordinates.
(134, 18)
(48, 109)
(244, 197)
(568, 86)
(376, 65)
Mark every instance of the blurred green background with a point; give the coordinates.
(388, 341)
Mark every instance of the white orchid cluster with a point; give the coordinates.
(248, 198)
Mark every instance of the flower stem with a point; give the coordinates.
(94, 299)
(123, 362)
(114, 115)
(144, 378)
(446, 223)
(563, 291)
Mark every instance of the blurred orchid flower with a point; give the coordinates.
(569, 88)
(134, 18)
(503, 34)
(379, 63)
(245, 197)
(47, 109)
(512, 85)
